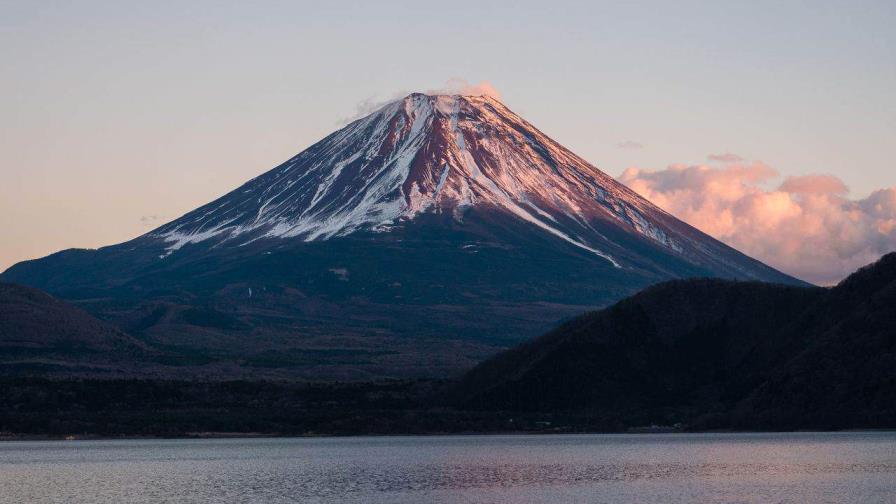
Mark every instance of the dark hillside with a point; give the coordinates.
(713, 353)
(36, 327)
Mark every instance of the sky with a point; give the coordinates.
(116, 117)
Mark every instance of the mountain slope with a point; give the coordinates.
(36, 328)
(714, 352)
(448, 154)
(438, 228)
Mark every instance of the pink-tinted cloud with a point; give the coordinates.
(463, 87)
(806, 226)
(815, 184)
(725, 158)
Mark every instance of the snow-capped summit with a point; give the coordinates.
(441, 154)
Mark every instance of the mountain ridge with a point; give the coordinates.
(713, 353)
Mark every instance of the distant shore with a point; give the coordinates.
(7, 437)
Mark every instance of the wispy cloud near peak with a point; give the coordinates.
(463, 87)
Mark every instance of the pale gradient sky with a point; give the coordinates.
(118, 116)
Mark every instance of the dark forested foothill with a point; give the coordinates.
(695, 354)
(714, 354)
(38, 407)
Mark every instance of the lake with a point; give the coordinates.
(637, 468)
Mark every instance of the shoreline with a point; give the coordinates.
(8, 437)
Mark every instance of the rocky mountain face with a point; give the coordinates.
(412, 242)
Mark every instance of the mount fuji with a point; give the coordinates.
(412, 242)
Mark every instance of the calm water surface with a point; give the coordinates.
(665, 468)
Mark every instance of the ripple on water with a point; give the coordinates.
(834, 467)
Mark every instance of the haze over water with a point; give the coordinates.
(671, 468)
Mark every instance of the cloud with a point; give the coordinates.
(452, 86)
(462, 87)
(370, 105)
(630, 144)
(815, 184)
(806, 226)
(151, 221)
(725, 158)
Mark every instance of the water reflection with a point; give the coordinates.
(847, 467)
